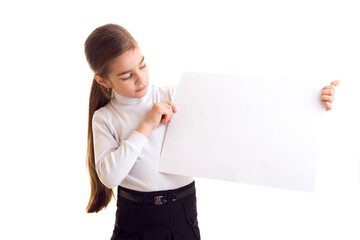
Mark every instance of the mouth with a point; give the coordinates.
(141, 89)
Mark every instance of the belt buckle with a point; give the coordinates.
(158, 200)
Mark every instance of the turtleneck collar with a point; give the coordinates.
(122, 100)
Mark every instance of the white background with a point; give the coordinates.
(45, 84)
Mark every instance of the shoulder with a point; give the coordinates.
(103, 122)
(166, 92)
(102, 115)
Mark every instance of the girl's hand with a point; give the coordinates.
(161, 113)
(327, 94)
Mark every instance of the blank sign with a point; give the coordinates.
(247, 129)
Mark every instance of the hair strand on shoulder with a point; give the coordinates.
(103, 45)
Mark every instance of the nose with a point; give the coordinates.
(140, 79)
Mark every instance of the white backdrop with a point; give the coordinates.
(46, 82)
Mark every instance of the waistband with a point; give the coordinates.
(157, 197)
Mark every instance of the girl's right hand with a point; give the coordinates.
(161, 113)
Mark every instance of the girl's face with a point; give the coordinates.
(128, 75)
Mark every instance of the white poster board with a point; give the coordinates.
(253, 130)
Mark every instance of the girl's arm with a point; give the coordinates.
(113, 162)
(328, 93)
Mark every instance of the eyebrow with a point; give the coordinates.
(125, 72)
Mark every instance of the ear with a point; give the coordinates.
(102, 82)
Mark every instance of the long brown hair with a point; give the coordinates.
(103, 45)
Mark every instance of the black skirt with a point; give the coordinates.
(160, 215)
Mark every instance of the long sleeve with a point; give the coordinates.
(114, 160)
(125, 157)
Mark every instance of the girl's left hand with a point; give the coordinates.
(327, 94)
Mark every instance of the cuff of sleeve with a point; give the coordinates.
(137, 140)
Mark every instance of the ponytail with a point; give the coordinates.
(103, 45)
(100, 195)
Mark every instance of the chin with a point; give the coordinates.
(143, 93)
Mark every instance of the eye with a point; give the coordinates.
(127, 78)
(143, 66)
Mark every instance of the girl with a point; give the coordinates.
(126, 129)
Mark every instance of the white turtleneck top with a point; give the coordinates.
(124, 156)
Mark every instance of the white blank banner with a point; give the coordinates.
(253, 130)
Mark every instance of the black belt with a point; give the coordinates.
(157, 200)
